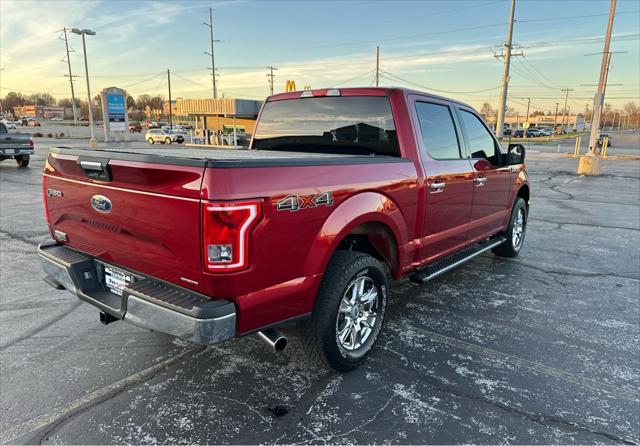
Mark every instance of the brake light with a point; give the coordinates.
(320, 93)
(226, 228)
(31, 142)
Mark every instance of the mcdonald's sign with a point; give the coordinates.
(290, 86)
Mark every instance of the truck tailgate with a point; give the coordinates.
(140, 215)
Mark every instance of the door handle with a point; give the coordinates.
(437, 187)
(480, 181)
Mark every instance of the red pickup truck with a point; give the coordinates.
(339, 191)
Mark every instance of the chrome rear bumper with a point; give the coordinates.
(146, 303)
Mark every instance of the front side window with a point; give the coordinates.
(481, 143)
(355, 125)
(438, 131)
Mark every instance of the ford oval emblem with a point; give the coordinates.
(101, 204)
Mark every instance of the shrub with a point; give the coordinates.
(37, 135)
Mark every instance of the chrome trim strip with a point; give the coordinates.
(196, 200)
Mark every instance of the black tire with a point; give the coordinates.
(320, 333)
(22, 161)
(513, 245)
(167, 140)
(150, 141)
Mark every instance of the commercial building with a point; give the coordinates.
(570, 123)
(39, 111)
(220, 115)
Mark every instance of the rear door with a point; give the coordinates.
(449, 179)
(137, 212)
(492, 181)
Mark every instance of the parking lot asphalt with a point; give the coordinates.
(539, 349)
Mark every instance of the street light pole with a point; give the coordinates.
(92, 142)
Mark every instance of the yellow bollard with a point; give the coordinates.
(605, 146)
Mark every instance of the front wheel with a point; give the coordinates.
(348, 313)
(150, 141)
(515, 231)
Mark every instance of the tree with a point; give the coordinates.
(486, 110)
(537, 113)
(510, 112)
(13, 99)
(131, 103)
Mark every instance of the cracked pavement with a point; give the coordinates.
(539, 349)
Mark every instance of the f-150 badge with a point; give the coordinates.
(296, 202)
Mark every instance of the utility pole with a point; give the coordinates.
(526, 119)
(213, 60)
(377, 66)
(71, 76)
(270, 78)
(602, 84)
(555, 120)
(505, 75)
(564, 110)
(83, 32)
(169, 84)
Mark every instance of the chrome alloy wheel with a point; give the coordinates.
(358, 313)
(518, 230)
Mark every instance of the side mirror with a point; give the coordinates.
(515, 154)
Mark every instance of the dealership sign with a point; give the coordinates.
(114, 110)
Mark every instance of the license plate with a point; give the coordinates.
(116, 279)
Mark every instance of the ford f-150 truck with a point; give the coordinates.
(340, 190)
(18, 146)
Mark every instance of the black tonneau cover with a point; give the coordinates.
(221, 158)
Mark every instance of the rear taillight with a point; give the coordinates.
(31, 142)
(226, 230)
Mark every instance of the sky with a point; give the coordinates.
(445, 47)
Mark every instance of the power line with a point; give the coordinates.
(353, 78)
(436, 89)
(144, 80)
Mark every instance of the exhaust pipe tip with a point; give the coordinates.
(274, 338)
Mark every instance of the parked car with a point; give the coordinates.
(307, 225)
(506, 132)
(135, 127)
(158, 135)
(546, 131)
(17, 146)
(33, 123)
(242, 139)
(57, 118)
(602, 137)
(9, 125)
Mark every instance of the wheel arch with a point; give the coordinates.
(369, 222)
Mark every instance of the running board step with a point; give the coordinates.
(434, 270)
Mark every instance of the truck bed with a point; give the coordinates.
(191, 156)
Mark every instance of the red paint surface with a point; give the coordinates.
(154, 227)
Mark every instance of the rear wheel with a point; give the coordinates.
(167, 140)
(348, 313)
(150, 141)
(22, 161)
(515, 231)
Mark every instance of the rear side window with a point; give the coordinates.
(481, 143)
(355, 125)
(438, 131)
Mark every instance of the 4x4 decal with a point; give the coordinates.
(296, 202)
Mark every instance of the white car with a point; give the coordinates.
(159, 135)
(9, 125)
(57, 118)
(546, 131)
